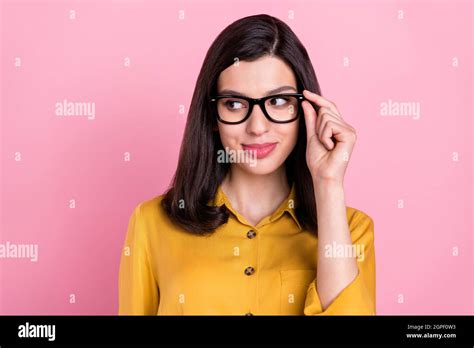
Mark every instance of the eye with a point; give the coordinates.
(278, 101)
(234, 104)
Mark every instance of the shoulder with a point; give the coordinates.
(356, 216)
(152, 217)
(149, 208)
(360, 223)
(147, 221)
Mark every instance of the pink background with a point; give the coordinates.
(137, 111)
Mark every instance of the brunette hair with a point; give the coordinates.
(198, 173)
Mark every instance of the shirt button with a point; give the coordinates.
(249, 271)
(248, 314)
(251, 234)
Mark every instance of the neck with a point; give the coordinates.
(247, 191)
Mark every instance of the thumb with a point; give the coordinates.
(310, 119)
(314, 146)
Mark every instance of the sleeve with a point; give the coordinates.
(358, 298)
(138, 289)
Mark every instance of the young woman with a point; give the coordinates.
(267, 233)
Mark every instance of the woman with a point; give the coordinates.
(241, 237)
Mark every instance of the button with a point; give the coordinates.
(248, 314)
(251, 234)
(249, 270)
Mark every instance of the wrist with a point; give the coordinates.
(327, 182)
(325, 189)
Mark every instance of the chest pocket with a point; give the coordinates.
(294, 285)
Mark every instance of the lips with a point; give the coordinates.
(261, 150)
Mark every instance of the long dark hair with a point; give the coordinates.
(199, 174)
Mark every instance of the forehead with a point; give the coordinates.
(255, 78)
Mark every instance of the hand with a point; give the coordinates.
(330, 140)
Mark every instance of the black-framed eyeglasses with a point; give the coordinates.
(278, 108)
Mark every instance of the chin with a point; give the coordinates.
(261, 167)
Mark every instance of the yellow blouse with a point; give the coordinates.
(267, 269)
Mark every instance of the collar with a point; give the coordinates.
(288, 205)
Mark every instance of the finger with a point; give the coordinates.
(320, 100)
(339, 132)
(310, 119)
(325, 115)
(323, 109)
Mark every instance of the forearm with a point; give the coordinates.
(334, 272)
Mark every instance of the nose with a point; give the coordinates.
(257, 123)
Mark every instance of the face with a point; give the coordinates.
(257, 79)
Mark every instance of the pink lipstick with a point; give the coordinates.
(261, 150)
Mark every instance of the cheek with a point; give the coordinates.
(230, 135)
(290, 134)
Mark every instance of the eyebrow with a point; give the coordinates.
(273, 91)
